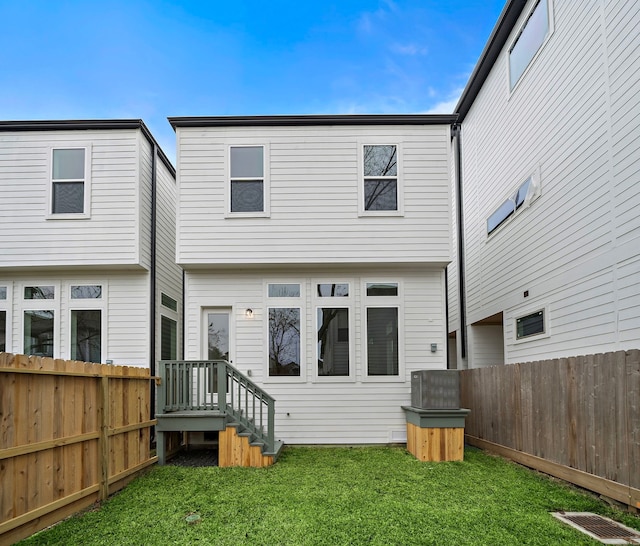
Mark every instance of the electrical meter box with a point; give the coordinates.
(435, 389)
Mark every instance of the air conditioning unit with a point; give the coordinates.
(435, 389)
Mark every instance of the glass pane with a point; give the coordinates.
(86, 335)
(168, 302)
(530, 325)
(3, 331)
(380, 161)
(38, 333)
(247, 196)
(168, 339)
(382, 341)
(380, 194)
(247, 162)
(284, 341)
(340, 290)
(333, 341)
(88, 292)
(218, 336)
(284, 290)
(504, 211)
(3, 292)
(68, 197)
(382, 289)
(68, 164)
(526, 46)
(521, 194)
(39, 292)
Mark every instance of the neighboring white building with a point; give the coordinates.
(548, 162)
(87, 243)
(314, 250)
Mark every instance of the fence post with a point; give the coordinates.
(104, 436)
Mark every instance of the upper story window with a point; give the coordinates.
(529, 41)
(69, 181)
(529, 189)
(168, 302)
(530, 325)
(380, 169)
(247, 180)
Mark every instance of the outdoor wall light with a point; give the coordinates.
(434, 347)
(248, 313)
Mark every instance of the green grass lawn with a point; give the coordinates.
(335, 496)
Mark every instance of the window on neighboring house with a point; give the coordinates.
(529, 41)
(511, 205)
(284, 341)
(530, 325)
(247, 179)
(380, 164)
(68, 181)
(39, 332)
(168, 338)
(86, 335)
(333, 341)
(169, 302)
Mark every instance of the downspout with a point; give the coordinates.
(461, 273)
(184, 300)
(152, 283)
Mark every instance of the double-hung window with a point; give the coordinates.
(382, 315)
(247, 181)
(285, 329)
(86, 323)
(69, 182)
(380, 178)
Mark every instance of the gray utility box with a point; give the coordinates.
(435, 389)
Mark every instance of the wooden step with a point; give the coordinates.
(236, 449)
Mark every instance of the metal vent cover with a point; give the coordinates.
(600, 528)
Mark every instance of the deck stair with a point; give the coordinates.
(214, 396)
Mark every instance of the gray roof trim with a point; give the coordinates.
(85, 125)
(499, 36)
(313, 120)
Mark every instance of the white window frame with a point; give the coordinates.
(534, 191)
(292, 302)
(86, 212)
(396, 302)
(399, 179)
(530, 310)
(88, 304)
(336, 302)
(6, 305)
(550, 29)
(41, 305)
(266, 181)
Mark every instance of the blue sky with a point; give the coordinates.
(149, 59)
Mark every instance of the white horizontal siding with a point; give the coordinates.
(317, 411)
(314, 178)
(109, 236)
(574, 117)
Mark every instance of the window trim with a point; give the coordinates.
(550, 28)
(6, 305)
(378, 302)
(362, 212)
(531, 310)
(266, 181)
(86, 212)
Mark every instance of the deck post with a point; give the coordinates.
(271, 422)
(160, 448)
(221, 368)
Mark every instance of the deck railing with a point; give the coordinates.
(215, 385)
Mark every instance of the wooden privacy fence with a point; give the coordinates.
(71, 433)
(574, 418)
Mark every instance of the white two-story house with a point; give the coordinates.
(87, 243)
(546, 187)
(314, 250)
